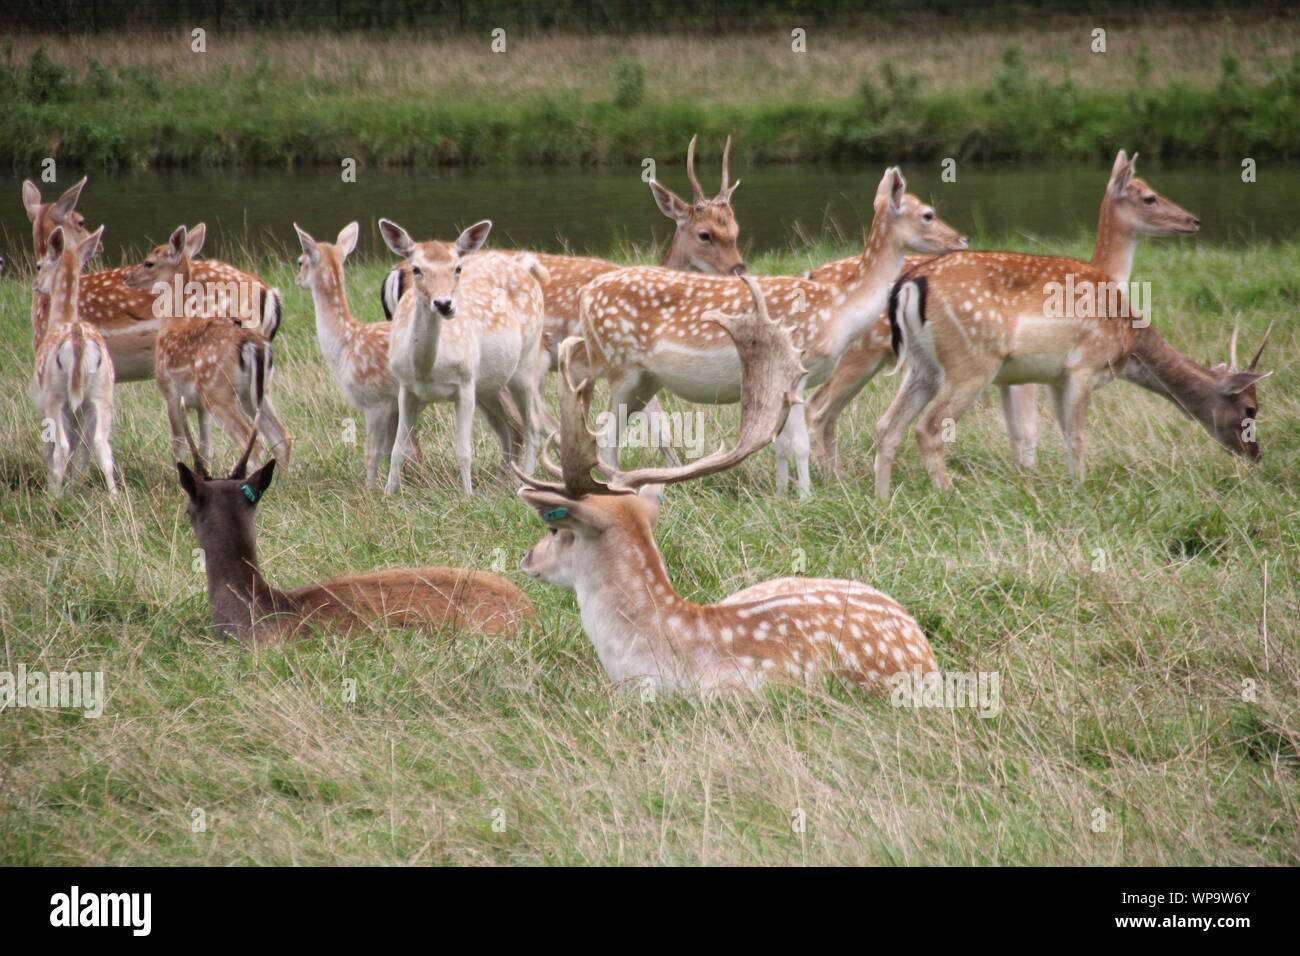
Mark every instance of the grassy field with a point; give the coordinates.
(1173, 86)
(1123, 613)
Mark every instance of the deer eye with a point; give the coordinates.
(928, 216)
(705, 237)
(415, 271)
(1150, 200)
(148, 263)
(554, 530)
(458, 268)
(1250, 412)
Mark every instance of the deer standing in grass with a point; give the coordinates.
(468, 327)
(646, 328)
(73, 385)
(969, 320)
(601, 544)
(1129, 208)
(207, 363)
(245, 607)
(125, 316)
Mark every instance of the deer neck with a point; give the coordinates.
(866, 292)
(178, 285)
(60, 308)
(633, 616)
(1116, 244)
(237, 593)
(1158, 367)
(333, 317)
(426, 329)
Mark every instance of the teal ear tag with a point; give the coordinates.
(250, 494)
(556, 514)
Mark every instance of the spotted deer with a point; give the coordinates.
(647, 333)
(247, 608)
(468, 327)
(969, 320)
(202, 361)
(73, 384)
(124, 316)
(1129, 208)
(601, 545)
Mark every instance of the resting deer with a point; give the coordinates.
(203, 362)
(647, 332)
(125, 316)
(247, 608)
(468, 327)
(601, 544)
(73, 386)
(1129, 208)
(973, 319)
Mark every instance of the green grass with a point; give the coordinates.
(1121, 687)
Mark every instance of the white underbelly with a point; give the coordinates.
(1030, 368)
(710, 377)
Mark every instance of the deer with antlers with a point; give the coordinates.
(247, 608)
(73, 385)
(468, 327)
(202, 361)
(969, 320)
(646, 330)
(601, 544)
(125, 316)
(1129, 208)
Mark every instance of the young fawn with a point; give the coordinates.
(468, 327)
(646, 330)
(1129, 208)
(245, 607)
(973, 319)
(73, 385)
(209, 364)
(601, 544)
(125, 316)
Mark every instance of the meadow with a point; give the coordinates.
(1142, 622)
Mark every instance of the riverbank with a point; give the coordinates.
(1175, 89)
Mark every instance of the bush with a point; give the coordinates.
(630, 83)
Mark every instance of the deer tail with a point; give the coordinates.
(906, 316)
(76, 345)
(534, 266)
(390, 292)
(272, 312)
(256, 357)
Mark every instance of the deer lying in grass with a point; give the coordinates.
(203, 362)
(247, 608)
(1129, 208)
(468, 327)
(601, 544)
(125, 316)
(73, 386)
(646, 330)
(973, 319)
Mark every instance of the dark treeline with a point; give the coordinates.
(604, 16)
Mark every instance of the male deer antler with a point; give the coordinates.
(771, 369)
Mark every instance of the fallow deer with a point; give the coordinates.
(124, 316)
(1129, 208)
(204, 362)
(73, 385)
(647, 333)
(969, 320)
(601, 545)
(247, 608)
(468, 327)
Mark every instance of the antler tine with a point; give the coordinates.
(199, 464)
(1232, 344)
(1267, 333)
(726, 155)
(770, 371)
(696, 189)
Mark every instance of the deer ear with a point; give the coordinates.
(31, 199)
(396, 238)
(473, 237)
(651, 496)
(560, 511)
(309, 247)
(189, 481)
(68, 201)
(1238, 382)
(194, 241)
(669, 203)
(89, 246)
(1121, 174)
(176, 242)
(255, 485)
(347, 240)
(55, 243)
(893, 187)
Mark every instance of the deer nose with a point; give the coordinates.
(1196, 223)
(738, 269)
(444, 306)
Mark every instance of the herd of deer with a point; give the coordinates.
(481, 330)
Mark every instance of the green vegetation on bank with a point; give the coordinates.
(264, 107)
(1143, 622)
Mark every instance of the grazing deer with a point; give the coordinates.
(247, 608)
(601, 544)
(73, 386)
(1129, 208)
(202, 361)
(124, 316)
(468, 327)
(647, 333)
(969, 320)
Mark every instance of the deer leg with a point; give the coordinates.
(918, 388)
(205, 433)
(955, 396)
(829, 401)
(279, 443)
(525, 392)
(494, 411)
(465, 405)
(628, 396)
(176, 419)
(408, 412)
(103, 410)
(60, 451)
(792, 440)
(1021, 413)
(381, 421)
(1071, 401)
(234, 422)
